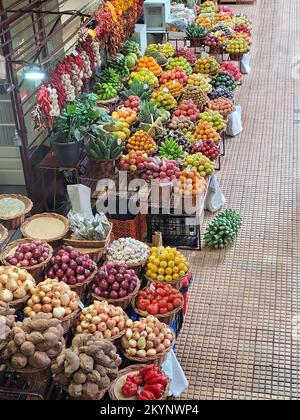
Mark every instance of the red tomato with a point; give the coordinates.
(171, 298)
(161, 292)
(170, 306)
(150, 296)
(142, 304)
(162, 303)
(177, 302)
(163, 310)
(142, 294)
(153, 309)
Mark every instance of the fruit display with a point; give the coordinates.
(131, 47)
(131, 60)
(170, 149)
(206, 21)
(243, 29)
(86, 369)
(133, 102)
(187, 108)
(127, 251)
(119, 129)
(190, 183)
(223, 79)
(237, 46)
(161, 170)
(158, 299)
(174, 87)
(146, 338)
(196, 95)
(197, 79)
(29, 254)
(242, 20)
(167, 50)
(105, 91)
(212, 40)
(115, 281)
(133, 162)
(242, 35)
(208, 148)
(34, 343)
(141, 142)
(15, 283)
(194, 31)
(223, 230)
(119, 64)
(232, 69)
(221, 92)
(8, 319)
(164, 99)
(144, 76)
(188, 54)
(204, 131)
(125, 115)
(104, 146)
(179, 62)
(209, 6)
(223, 105)
(200, 163)
(150, 64)
(183, 123)
(71, 266)
(166, 264)
(181, 139)
(214, 118)
(177, 74)
(146, 383)
(106, 319)
(206, 65)
(136, 89)
(109, 75)
(52, 297)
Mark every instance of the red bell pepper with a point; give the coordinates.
(129, 389)
(156, 389)
(156, 379)
(146, 395)
(135, 379)
(148, 368)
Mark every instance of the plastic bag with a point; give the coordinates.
(215, 199)
(180, 18)
(245, 64)
(94, 228)
(234, 125)
(174, 371)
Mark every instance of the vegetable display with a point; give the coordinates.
(223, 230)
(15, 283)
(166, 264)
(104, 146)
(158, 299)
(29, 254)
(86, 368)
(7, 321)
(127, 251)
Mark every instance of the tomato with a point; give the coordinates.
(142, 294)
(163, 310)
(153, 309)
(150, 296)
(158, 298)
(142, 304)
(162, 303)
(170, 306)
(171, 298)
(177, 302)
(161, 292)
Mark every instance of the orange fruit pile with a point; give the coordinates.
(223, 105)
(142, 142)
(204, 131)
(174, 87)
(149, 63)
(190, 183)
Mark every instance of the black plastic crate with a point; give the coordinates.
(180, 231)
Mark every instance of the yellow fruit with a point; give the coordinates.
(175, 276)
(163, 264)
(177, 260)
(154, 269)
(160, 278)
(151, 259)
(163, 256)
(175, 269)
(181, 267)
(169, 271)
(161, 271)
(171, 264)
(170, 256)
(168, 278)
(181, 273)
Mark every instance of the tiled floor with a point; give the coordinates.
(240, 335)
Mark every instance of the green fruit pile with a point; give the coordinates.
(195, 31)
(206, 65)
(214, 118)
(132, 47)
(119, 64)
(109, 75)
(105, 91)
(170, 150)
(179, 62)
(199, 163)
(223, 230)
(105, 147)
(224, 79)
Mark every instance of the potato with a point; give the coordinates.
(80, 377)
(35, 338)
(42, 347)
(51, 339)
(62, 379)
(75, 390)
(39, 324)
(39, 360)
(19, 361)
(12, 348)
(86, 363)
(55, 351)
(72, 363)
(90, 390)
(19, 338)
(27, 348)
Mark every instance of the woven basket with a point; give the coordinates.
(81, 288)
(122, 302)
(42, 237)
(85, 243)
(111, 339)
(167, 318)
(108, 101)
(19, 304)
(37, 271)
(68, 322)
(157, 360)
(16, 221)
(3, 234)
(236, 56)
(177, 284)
(115, 392)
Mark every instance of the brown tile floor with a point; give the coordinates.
(237, 342)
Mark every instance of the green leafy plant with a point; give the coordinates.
(136, 89)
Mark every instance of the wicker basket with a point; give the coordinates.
(37, 271)
(84, 243)
(167, 318)
(68, 322)
(3, 234)
(42, 236)
(177, 284)
(81, 288)
(115, 392)
(236, 56)
(16, 221)
(111, 339)
(108, 101)
(157, 360)
(122, 302)
(19, 304)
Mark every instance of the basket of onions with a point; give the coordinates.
(56, 298)
(147, 340)
(73, 268)
(15, 285)
(107, 320)
(34, 256)
(128, 251)
(116, 283)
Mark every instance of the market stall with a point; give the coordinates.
(93, 300)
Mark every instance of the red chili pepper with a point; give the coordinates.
(146, 395)
(156, 389)
(129, 389)
(135, 379)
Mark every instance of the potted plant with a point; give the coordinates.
(71, 125)
(104, 149)
(196, 34)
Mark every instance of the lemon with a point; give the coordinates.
(163, 256)
(181, 267)
(170, 256)
(154, 276)
(175, 269)
(161, 271)
(149, 273)
(152, 259)
(154, 269)
(156, 262)
(171, 264)
(177, 261)
(175, 276)
(181, 273)
(168, 278)
(169, 271)
(163, 264)
(160, 278)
